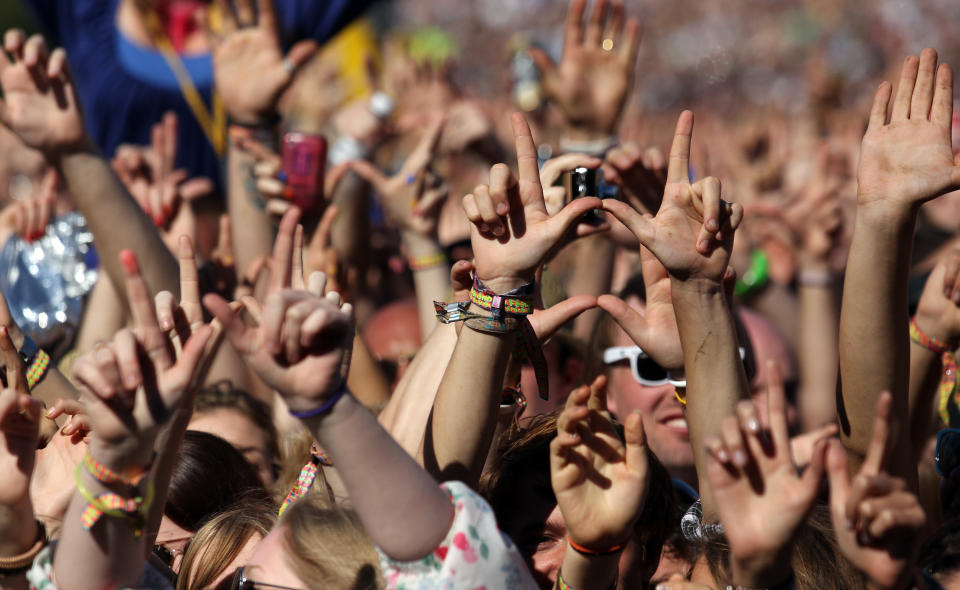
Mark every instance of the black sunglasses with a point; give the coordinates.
(241, 582)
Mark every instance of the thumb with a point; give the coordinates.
(233, 325)
(836, 461)
(547, 321)
(461, 280)
(813, 475)
(193, 351)
(567, 217)
(642, 227)
(632, 322)
(636, 442)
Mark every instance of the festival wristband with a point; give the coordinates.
(594, 552)
(324, 407)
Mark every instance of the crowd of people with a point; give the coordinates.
(290, 300)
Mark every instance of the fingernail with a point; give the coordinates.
(723, 456)
(712, 225)
(864, 537)
(753, 425)
(498, 230)
(502, 209)
(129, 261)
(740, 458)
(50, 412)
(166, 324)
(167, 210)
(158, 220)
(703, 245)
(849, 524)
(484, 227)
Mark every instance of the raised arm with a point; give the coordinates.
(692, 236)
(41, 106)
(904, 161)
(512, 234)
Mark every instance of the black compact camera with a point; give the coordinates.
(589, 182)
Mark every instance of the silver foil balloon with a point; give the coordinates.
(46, 281)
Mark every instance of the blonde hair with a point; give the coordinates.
(327, 547)
(220, 540)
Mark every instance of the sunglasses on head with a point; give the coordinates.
(948, 451)
(240, 582)
(645, 370)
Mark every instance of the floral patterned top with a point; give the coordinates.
(475, 555)
(40, 575)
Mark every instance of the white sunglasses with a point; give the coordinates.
(645, 370)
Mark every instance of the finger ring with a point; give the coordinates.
(607, 44)
(288, 65)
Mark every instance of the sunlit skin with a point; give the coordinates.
(268, 564)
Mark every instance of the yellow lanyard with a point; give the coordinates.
(215, 126)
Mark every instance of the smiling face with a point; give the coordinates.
(663, 418)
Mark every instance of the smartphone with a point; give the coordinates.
(304, 164)
(588, 182)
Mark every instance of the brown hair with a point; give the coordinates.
(223, 394)
(328, 547)
(220, 541)
(817, 561)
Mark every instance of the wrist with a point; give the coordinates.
(697, 287)
(766, 572)
(931, 326)
(416, 244)
(125, 457)
(885, 212)
(504, 284)
(18, 527)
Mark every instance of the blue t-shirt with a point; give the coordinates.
(125, 88)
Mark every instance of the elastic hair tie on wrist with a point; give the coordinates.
(594, 552)
(324, 407)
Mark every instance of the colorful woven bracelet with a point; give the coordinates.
(561, 583)
(38, 368)
(418, 263)
(932, 344)
(104, 474)
(133, 510)
(308, 475)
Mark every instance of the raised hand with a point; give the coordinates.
(412, 198)
(161, 191)
(512, 233)
(39, 103)
(760, 497)
(877, 519)
(19, 427)
(938, 312)
(132, 386)
(908, 159)
(591, 83)
(250, 70)
(640, 174)
(692, 233)
(30, 217)
(600, 482)
(302, 342)
(655, 330)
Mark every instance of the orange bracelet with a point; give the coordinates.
(586, 551)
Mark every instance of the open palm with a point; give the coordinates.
(600, 482)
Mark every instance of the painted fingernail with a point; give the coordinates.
(167, 210)
(753, 425)
(498, 230)
(158, 220)
(166, 324)
(502, 209)
(740, 458)
(129, 261)
(50, 413)
(484, 227)
(723, 456)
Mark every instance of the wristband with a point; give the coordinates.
(418, 263)
(305, 481)
(17, 564)
(756, 277)
(133, 509)
(104, 474)
(594, 552)
(815, 278)
(324, 407)
(948, 378)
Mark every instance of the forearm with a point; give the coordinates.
(594, 572)
(714, 371)
(117, 221)
(402, 508)
(18, 527)
(818, 328)
(365, 378)
(350, 235)
(408, 410)
(431, 283)
(873, 342)
(464, 412)
(592, 275)
(103, 315)
(253, 234)
(109, 555)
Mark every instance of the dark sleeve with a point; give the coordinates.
(45, 13)
(317, 19)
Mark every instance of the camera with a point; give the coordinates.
(588, 182)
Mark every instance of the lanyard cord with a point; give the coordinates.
(215, 126)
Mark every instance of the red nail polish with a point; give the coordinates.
(129, 261)
(167, 210)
